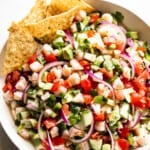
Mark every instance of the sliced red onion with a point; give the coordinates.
(39, 126)
(48, 66)
(90, 73)
(136, 120)
(87, 136)
(24, 96)
(117, 29)
(64, 117)
(130, 42)
(70, 38)
(129, 59)
(50, 142)
(111, 136)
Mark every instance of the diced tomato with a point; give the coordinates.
(55, 86)
(140, 82)
(32, 59)
(138, 100)
(94, 17)
(90, 33)
(15, 76)
(148, 102)
(123, 144)
(7, 87)
(49, 123)
(143, 49)
(66, 84)
(46, 144)
(119, 95)
(50, 57)
(123, 132)
(58, 140)
(106, 73)
(95, 135)
(119, 46)
(87, 99)
(86, 85)
(50, 76)
(138, 68)
(85, 64)
(65, 108)
(100, 117)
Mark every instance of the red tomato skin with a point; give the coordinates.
(7, 87)
(55, 86)
(123, 144)
(58, 140)
(87, 99)
(123, 132)
(94, 18)
(49, 123)
(50, 57)
(32, 59)
(86, 85)
(99, 117)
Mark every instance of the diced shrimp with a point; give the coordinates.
(13, 105)
(103, 90)
(99, 75)
(119, 95)
(26, 67)
(126, 72)
(75, 65)
(8, 96)
(34, 78)
(45, 96)
(79, 54)
(36, 66)
(21, 84)
(24, 133)
(13, 113)
(78, 98)
(74, 79)
(84, 146)
(84, 76)
(80, 15)
(106, 109)
(118, 84)
(140, 141)
(107, 17)
(74, 27)
(54, 132)
(75, 132)
(96, 108)
(61, 90)
(100, 126)
(47, 49)
(18, 95)
(57, 72)
(66, 71)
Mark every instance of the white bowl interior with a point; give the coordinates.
(131, 21)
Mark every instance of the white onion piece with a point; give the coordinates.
(31, 107)
(90, 73)
(50, 142)
(39, 127)
(127, 58)
(111, 136)
(48, 66)
(87, 136)
(136, 119)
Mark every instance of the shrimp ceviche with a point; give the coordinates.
(89, 89)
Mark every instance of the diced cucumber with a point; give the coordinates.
(114, 116)
(90, 57)
(95, 144)
(99, 60)
(108, 64)
(24, 114)
(44, 76)
(86, 21)
(132, 34)
(60, 33)
(58, 43)
(50, 113)
(67, 53)
(98, 99)
(124, 110)
(86, 116)
(36, 140)
(45, 86)
(106, 147)
(110, 102)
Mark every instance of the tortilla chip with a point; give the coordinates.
(45, 30)
(37, 13)
(19, 47)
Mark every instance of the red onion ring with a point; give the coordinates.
(111, 136)
(48, 66)
(77, 141)
(39, 126)
(136, 120)
(24, 96)
(50, 142)
(90, 73)
(70, 38)
(130, 42)
(127, 58)
(64, 117)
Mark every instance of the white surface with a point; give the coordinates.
(13, 10)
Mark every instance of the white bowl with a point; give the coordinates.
(131, 21)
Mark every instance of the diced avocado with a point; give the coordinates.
(98, 60)
(114, 116)
(112, 46)
(67, 53)
(86, 116)
(44, 76)
(24, 114)
(86, 21)
(106, 147)
(124, 110)
(132, 34)
(108, 64)
(74, 119)
(131, 139)
(36, 140)
(58, 42)
(57, 106)
(90, 57)
(95, 144)
(98, 99)
(40, 92)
